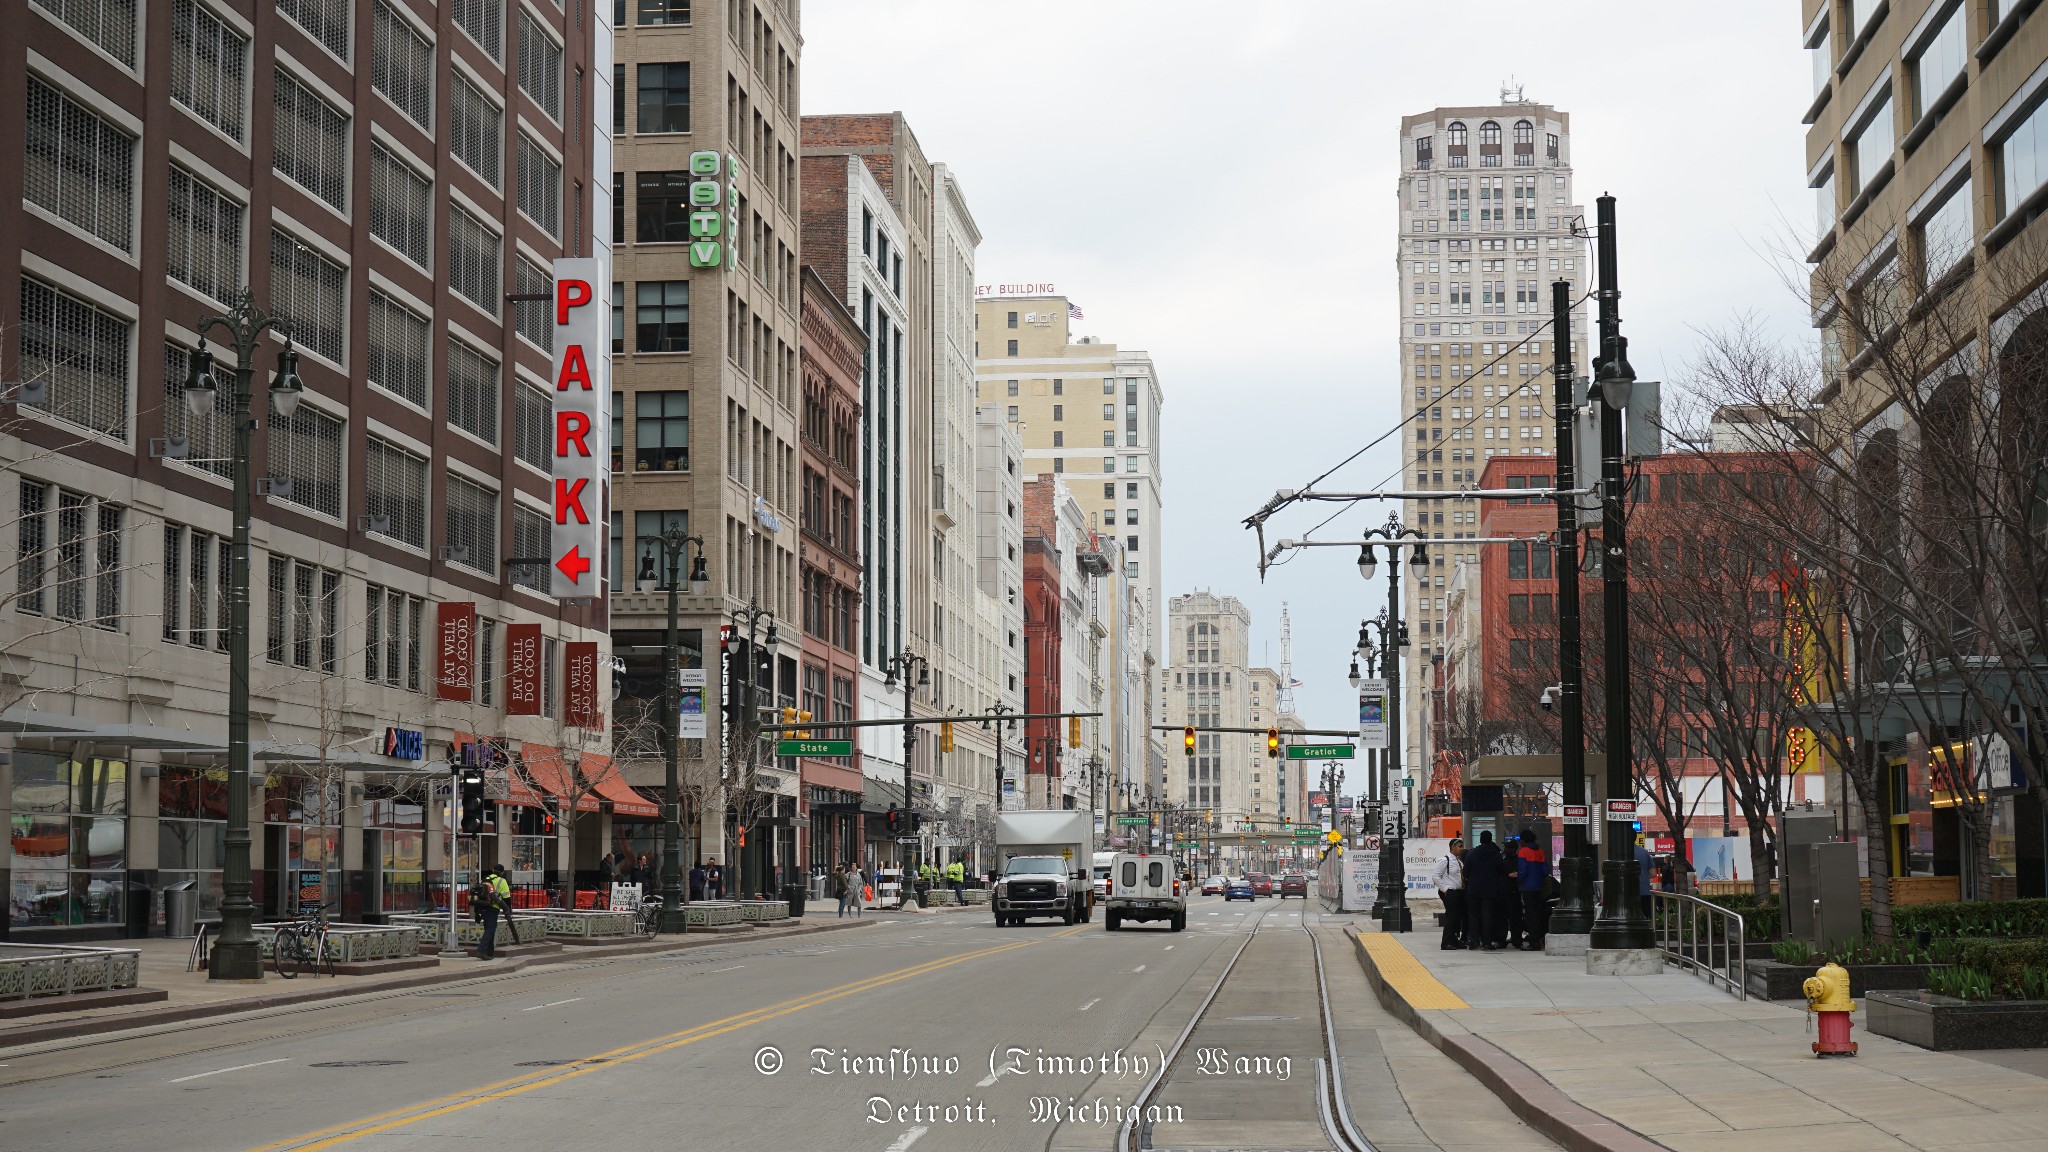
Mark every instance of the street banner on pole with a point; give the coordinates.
(522, 669)
(455, 660)
(582, 426)
(690, 688)
(1372, 713)
(580, 683)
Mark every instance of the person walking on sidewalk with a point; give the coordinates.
(1449, 879)
(855, 885)
(1645, 865)
(1484, 885)
(956, 879)
(1532, 872)
(842, 887)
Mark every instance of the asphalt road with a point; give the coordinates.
(941, 1031)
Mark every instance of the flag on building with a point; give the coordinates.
(1074, 311)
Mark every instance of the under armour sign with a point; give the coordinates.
(582, 428)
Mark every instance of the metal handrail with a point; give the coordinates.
(1703, 936)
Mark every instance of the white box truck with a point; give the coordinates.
(1045, 866)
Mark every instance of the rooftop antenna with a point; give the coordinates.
(1286, 702)
(1511, 92)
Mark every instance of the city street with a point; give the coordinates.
(942, 1031)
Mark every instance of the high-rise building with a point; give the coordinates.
(1487, 221)
(380, 178)
(999, 576)
(705, 414)
(1210, 687)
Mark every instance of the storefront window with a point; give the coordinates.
(398, 842)
(191, 837)
(302, 846)
(69, 839)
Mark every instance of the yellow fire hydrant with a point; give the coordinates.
(1827, 993)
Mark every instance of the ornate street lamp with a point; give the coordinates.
(672, 542)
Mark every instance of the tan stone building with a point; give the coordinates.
(1210, 686)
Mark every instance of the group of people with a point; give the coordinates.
(1496, 898)
(707, 880)
(853, 888)
(955, 876)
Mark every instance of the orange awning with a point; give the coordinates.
(544, 765)
(516, 792)
(613, 787)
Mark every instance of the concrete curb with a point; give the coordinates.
(93, 1025)
(1540, 1104)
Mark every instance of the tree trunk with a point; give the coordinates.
(1759, 862)
(1877, 841)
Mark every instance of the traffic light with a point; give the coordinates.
(803, 718)
(894, 820)
(1073, 731)
(1187, 738)
(946, 736)
(788, 721)
(1272, 743)
(472, 789)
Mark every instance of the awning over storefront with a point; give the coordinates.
(613, 787)
(543, 765)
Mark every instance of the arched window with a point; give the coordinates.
(1489, 133)
(1457, 133)
(1525, 133)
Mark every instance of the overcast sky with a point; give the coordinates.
(1215, 183)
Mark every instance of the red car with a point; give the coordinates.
(1293, 884)
(1262, 884)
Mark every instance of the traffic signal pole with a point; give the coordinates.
(1574, 914)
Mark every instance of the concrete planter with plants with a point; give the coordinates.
(1776, 980)
(1951, 1024)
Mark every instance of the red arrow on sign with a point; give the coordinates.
(573, 565)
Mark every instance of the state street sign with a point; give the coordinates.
(1134, 821)
(1321, 752)
(814, 747)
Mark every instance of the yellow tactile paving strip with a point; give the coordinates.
(1401, 970)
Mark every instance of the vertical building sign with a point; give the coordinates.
(582, 425)
(708, 235)
(522, 669)
(455, 651)
(580, 669)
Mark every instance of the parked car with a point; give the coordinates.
(1213, 886)
(1262, 884)
(1238, 888)
(1293, 884)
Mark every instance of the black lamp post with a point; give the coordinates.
(752, 618)
(1393, 886)
(235, 955)
(1001, 726)
(672, 542)
(1574, 913)
(900, 665)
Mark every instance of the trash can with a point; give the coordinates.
(794, 893)
(181, 910)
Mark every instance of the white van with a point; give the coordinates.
(1143, 886)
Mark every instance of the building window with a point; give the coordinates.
(1013, 348)
(83, 567)
(1946, 233)
(1425, 151)
(618, 325)
(661, 432)
(665, 97)
(1824, 205)
(205, 238)
(397, 349)
(475, 256)
(68, 815)
(391, 634)
(664, 12)
(79, 352)
(2022, 160)
(78, 167)
(476, 128)
(1939, 61)
(1012, 387)
(533, 414)
(472, 520)
(209, 437)
(402, 65)
(484, 20)
(304, 619)
(195, 587)
(309, 290)
(305, 454)
(1869, 145)
(209, 67)
(401, 206)
(395, 492)
(661, 318)
(1059, 439)
(530, 530)
(533, 319)
(309, 145)
(661, 208)
(540, 67)
(473, 392)
(540, 185)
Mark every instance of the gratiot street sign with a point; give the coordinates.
(1321, 752)
(814, 747)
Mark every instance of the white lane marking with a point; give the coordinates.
(734, 968)
(538, 1007)
(904, 1141)
(1169, 947)
(1084, 1008)
(989, 1079)
(1139, 968)
(236, 1068)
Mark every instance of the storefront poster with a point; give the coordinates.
(580, 671)
(1719, 857)
(455, 653)
(1361, 876)
(1418, 860)
(522, 670)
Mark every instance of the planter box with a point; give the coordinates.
(429, 928)
(1946, 1024)
(587, 925)
(1770, 980)
(712, 913)
(357, 943)
(756, 910)
(57, 970)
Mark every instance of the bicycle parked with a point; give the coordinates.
(303, 943)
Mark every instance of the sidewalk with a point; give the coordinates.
(1630, 1064)
(192, 996)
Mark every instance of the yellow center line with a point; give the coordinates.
(517, 1085)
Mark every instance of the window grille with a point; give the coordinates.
(533, 413)
(174, 584)
(402, 65)
(484, 20)
(398, 349)
(310, 145)
(533, 318)
(80, 354)
(391, 632)
(107, 23)
(540, 67)
(305, 449)
(70, 555)
(209, 66)
(472, 525)
(208, 438)
(540, 186)
(31, 562)
(476, 129)
(475, 256)
(205, 238)
(530, 530)
(79, 167)
(326, 21)
(395, 486)
(473, 392)
(401, 207)
(309, 290)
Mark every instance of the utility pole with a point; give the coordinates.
(1621, 927)
(1574, 914)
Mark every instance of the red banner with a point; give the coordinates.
(580, 670)
(455, 662)
(522, 669)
